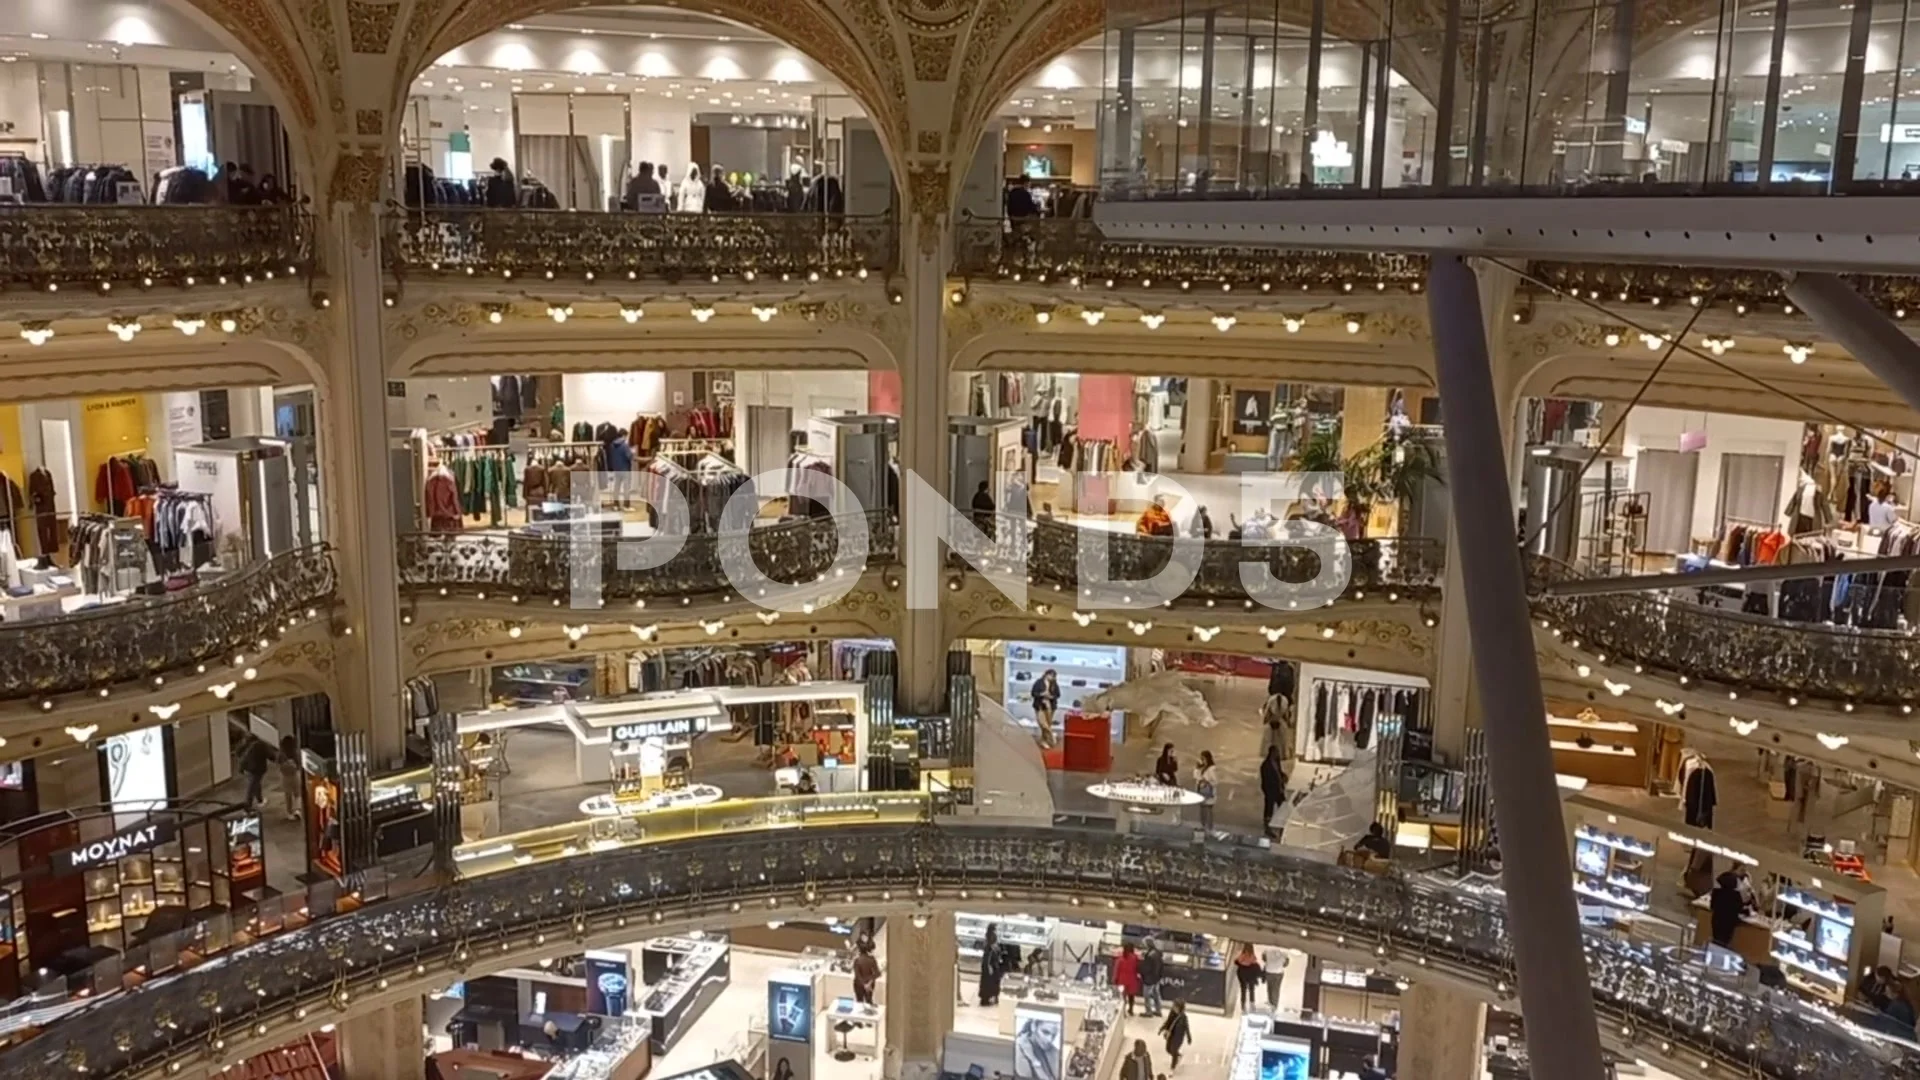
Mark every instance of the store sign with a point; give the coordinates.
(659, 729)
(113, 848)
(1899, 133)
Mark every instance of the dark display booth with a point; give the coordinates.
(82, 888)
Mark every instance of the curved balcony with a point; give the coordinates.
(1731, 648)
(279, 988)
(1231, 571)
(635, 246)
(1043, 249)
(45, 245)
(550, 565)
(146, 636)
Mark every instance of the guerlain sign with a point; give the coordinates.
(113, 848)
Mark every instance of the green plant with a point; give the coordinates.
(1319, 454)
(1391, 470)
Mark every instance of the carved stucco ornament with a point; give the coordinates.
(370, 25)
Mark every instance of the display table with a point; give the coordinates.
(1143, 798)
(847, 1011)
(683, 977)
(604, 805)
(45, 602)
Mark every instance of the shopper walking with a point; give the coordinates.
(993, 964)
(866, 974)
(1167, 769)
(1205, 780)
(1274, 961)
(1138, 1064)
(253, 762)
(1177, 1031)
(1153, 968)
(1126, 974)
(292, 776)
(1273, 789)
(1247, 969)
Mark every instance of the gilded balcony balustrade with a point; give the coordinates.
(1072, 251)
(766, 248)
(53, 245)
(144, 636)
(273, 990)
(549, 565)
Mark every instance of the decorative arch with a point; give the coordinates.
(665, 345)
(1839, 386)
(1241, 356)
(852, 39)
(159, 360)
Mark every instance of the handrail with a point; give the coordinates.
(275, 989)
(152, 635)
(1736, 648)
(53, 244)
(1069, 248)
(626, 246)
(542, 564)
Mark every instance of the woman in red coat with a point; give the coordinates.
(1126, 974)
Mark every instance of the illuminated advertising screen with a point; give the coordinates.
(137, 771)
(609, 983)
(790, 1012)
(1039, 1043)
(1284, 1059)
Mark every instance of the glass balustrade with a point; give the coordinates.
(1254, 99)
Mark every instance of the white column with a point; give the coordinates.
(359, 489)
(924, 451)
(1442, 1034)
(920, 971)
(386, 1044)
(1196, 426)
(250, 411)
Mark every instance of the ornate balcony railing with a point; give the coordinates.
(1042, 249)
(624, 246)
(1750, 290)
(281, 986)
(1223, 566)
(551, 564)
(1676, 636)
(43, 245)
(146, 636)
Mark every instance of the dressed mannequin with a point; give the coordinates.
(1808, 510)
(1697, 792)
(693, 193)
(796, 189)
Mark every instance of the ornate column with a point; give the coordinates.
(1442, 1034)
(386, 1044)
(920, 972)
(1196, 426)
(925, 247)
(1554, 989)
(359, 490)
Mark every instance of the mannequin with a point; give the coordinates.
(796, 189)
(693, 193)
(1697, 793)
(1808, 509)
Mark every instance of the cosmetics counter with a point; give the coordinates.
(621, 1051)
(1818, 926)
(1050, 1028)
(677, 823)
(1084, 951)
(683, 976)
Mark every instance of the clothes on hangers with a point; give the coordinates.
(120, 477)
(1698, 794)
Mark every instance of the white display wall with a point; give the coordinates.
(807, 394)
(1652, 428)
(439, 404)
(613, 397)
(1094, 667)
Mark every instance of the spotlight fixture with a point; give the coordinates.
(1152, 319)
(1294, 323)
(124, 330)
(1224, 323)
(1042, 315)
(1353, 324)
(1718, 346)
(1092, 316)
(188, 324)
(1612, 337)
(765, 314)
(1652, 340)
(632, 314)
(229, 323)
(701, 312)
(559, 312)
(496, 313)
(1797, 352)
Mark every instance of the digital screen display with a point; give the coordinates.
(1590, 858)
(13, 775)
(1834, 938)
(137, 771)
(1038, 1044)
(790, 1012)
(1284, 1059)
(609, 983)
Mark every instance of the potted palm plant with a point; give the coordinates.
(1392, 470)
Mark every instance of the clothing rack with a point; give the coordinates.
(1344, 712)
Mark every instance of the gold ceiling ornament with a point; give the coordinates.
(370, 25)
